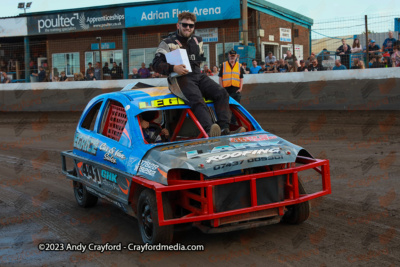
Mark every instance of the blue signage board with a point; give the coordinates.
(168, 13)
(95, 46)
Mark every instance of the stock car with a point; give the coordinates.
(217, 184)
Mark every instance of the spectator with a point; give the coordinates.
(389, 43)
(63, 77)
(272, 68)
(97, 71)
(339, 66)
(206, 70)
(311, 57)
(4, 78)
(90, 68)
(143, 71)
(371, 62)
(106, 70)
(356, 64)
(378, 62)
(78, 77)
(386, 62)
(302, 67)
(344, 51)
(246, 70)
(41, 75)
(314, 66)
(356, 46)
(151, 67)
(291, 60)
(255, 68)
(116, 72)
(373, 48)
(270, 59)
(91, 76)
(215, 71)
(263, 69)
(282, 67)
(135, 74)
(361, 65)
(396, 57)
(398, 41)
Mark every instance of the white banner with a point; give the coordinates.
(13, 27)
(208, 35)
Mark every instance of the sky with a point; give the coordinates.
(317, 10)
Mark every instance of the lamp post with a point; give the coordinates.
(22, 5)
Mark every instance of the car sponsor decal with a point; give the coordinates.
(125, 191)
(237, 154)
(173, 101)
(86, 143)
(148, 168)
(112, 177)
(256, 138)
(191, 144)
(112, 154)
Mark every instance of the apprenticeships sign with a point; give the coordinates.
(150, 15)
(77, 21)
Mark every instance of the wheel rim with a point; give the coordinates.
(147, 221)
(79, 191)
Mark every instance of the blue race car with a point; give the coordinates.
(144, 150)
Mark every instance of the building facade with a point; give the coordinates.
(130, 33)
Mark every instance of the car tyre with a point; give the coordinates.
(147, 212)
(83, 197)
(298, 213)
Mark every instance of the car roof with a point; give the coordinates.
(144, 99)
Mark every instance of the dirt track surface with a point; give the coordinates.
(357, 224)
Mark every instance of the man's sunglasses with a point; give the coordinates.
(184, 25)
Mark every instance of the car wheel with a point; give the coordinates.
(151, 232)
(298, 213)
(83, 197)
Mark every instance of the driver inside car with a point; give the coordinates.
(152, 132)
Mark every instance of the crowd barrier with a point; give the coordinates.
(370, 89)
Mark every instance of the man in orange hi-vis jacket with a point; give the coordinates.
(231, 76)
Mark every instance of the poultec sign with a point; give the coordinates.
(76, 21)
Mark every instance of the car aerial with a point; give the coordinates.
(182, 176)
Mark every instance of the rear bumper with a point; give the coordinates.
(206, 198)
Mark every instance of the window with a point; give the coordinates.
(115, 120)
(138, 56)
(90, 119)
(68, 62)
(219, 52)
(108, 56)
(206, 48)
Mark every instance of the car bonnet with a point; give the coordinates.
(214, 157)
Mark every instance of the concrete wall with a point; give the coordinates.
(373, 89)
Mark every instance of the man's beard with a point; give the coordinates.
(185, 34)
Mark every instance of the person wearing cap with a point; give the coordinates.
(373, 48)
(344, 52)
(231, 78)
(270, 59)
(302, 67)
